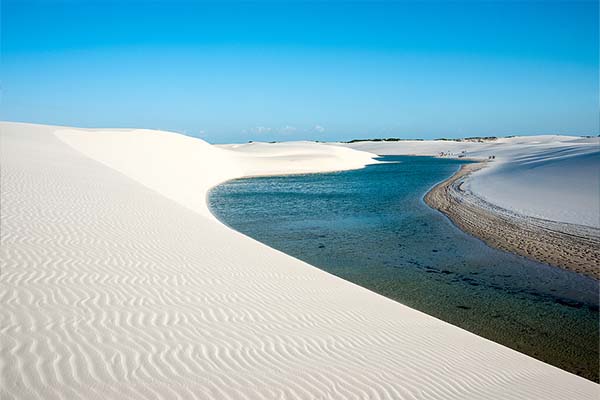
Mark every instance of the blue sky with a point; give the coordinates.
(237, 71)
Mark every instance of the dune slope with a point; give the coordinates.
(117, 283)
(559, 184)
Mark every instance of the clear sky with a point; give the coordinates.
(237, 71)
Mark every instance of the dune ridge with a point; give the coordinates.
(117, 282)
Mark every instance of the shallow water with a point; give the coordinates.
(371, 227)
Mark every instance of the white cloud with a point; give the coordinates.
(260, 129)
(288, 129)
(319, 128)
(257, 130)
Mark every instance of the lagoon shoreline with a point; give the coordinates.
(568, 246)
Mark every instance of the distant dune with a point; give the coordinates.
(551, 177)
(118, 283)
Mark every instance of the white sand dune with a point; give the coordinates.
(117, 283)
(561, 184)
(549, 177)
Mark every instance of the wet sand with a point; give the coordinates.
(569, 246)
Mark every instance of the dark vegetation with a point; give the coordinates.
(480, 139)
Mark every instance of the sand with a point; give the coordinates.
(569, 246)
(118, 283)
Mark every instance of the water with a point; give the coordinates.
(371, 227)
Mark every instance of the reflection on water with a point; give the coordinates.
(371, 227)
